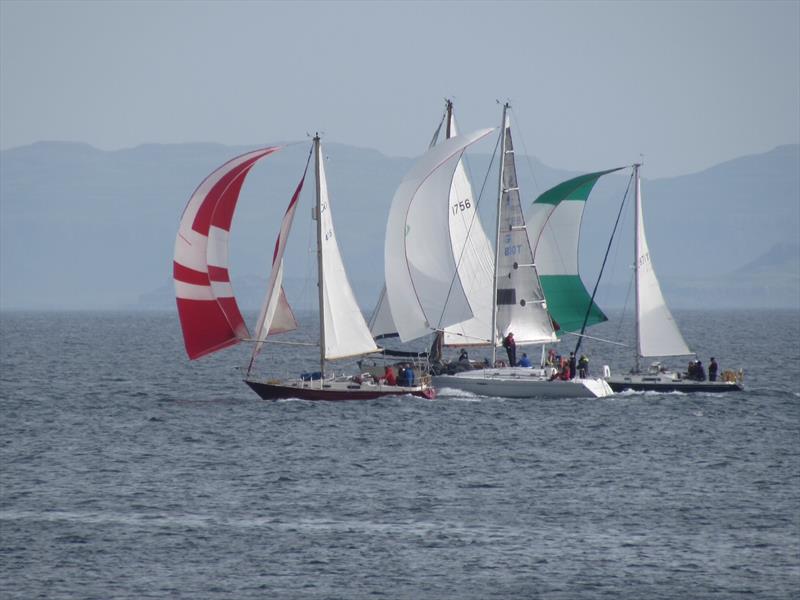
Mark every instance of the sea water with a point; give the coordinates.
(130, 472)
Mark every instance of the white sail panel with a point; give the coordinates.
(521, 306)
(554, 232)
(658, 333)
(381, 323)
(422, 283)
(276, 314)
(346, 332)
(473, 255)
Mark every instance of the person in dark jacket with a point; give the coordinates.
(511, 349)
(699, 371)
(571, 365)
(712, 370)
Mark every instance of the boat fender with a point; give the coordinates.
(606, 371)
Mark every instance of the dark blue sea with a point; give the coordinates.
(130, 472)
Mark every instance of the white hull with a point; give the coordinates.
(520, 382)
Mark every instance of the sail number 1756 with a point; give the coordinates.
(461, 206)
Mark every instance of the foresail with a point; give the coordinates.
(346, 332)
(554, 225)
(521, 306)
(472, 252)
(422, 283)
(276, 315)
(658, 333)
(209, 316)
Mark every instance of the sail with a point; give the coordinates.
(422, 283)
(473, 255)
(276, 315)
(658, 333)
(381, 324)
(346, 332)
(521, 306)
(209, 316)
(554, 225)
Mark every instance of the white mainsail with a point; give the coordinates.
(423, 286)
(521, 306)
(658, 333)
(345, 331)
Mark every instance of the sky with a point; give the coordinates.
(685, 84)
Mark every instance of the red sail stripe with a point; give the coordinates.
(202, 220)
(218, 274)
(292, 202)
(205, 328)
(187, 275)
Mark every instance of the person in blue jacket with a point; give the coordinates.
(524, 361)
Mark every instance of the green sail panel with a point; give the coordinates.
(567, 301)
(554, 224)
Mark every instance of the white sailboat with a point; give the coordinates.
(211, 320)
(424, 288)
(657, 334)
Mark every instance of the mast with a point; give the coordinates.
(448, 133)
(320, 273)
(636, 204)
(497, 233)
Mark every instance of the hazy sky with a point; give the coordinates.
(688, 84)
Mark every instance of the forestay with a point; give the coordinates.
(554, 224)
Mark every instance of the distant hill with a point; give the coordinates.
(85, 228)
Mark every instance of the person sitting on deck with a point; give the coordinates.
(524, 361)
(463, 357)
(389, 377)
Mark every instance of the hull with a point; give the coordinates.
(519, 382)
(655, 383)
(334, 390)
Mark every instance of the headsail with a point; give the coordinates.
(658, 333)
(209, 316)
(473, 255)
(521, 306)
(471, 251)
(424, 290)
(276, 315)
(554, 224)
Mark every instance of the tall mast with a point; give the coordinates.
(320, 274)
(497, 232)
(636, 204)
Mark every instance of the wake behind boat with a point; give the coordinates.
(209, 314)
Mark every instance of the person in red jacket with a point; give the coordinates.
(388, 375)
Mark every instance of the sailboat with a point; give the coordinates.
(423, 285)
(657, 334)
(210, 317)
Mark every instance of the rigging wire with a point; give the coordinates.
(605, 258)
(525, 148)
